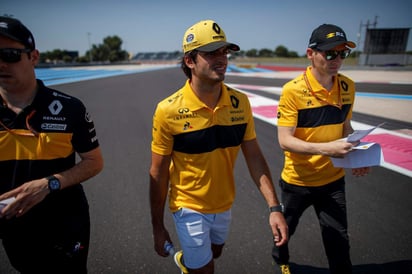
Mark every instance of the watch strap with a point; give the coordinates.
(278, 208)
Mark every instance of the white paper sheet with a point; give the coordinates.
(5, 202)
(363, 155)
(357, 135)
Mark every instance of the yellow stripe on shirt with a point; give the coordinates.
(46, 146)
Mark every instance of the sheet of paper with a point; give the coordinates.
(363, 145)
(5, 202)
(357, 135)
(363, 155)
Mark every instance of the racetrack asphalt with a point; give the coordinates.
(379, 205)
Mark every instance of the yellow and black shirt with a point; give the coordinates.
(204, 144)
(318, 116)
(42, 139)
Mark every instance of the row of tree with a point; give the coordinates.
(280, 51)
(111, 51)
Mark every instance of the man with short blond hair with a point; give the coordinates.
(314, 114)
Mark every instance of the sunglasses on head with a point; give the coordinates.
(11, 55)
(332, 54)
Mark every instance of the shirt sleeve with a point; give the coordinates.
(250, 133)
(84, 133)
(287, 108)
(162, 139)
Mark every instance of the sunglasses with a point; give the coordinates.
(332, 54)
(11, 55)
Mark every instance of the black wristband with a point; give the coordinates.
(278, 208)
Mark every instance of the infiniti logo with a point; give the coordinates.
(183, 110)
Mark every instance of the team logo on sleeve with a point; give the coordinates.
(88, 117)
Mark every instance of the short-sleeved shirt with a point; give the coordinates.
(204, 144)
(61, 125)
(318, 116)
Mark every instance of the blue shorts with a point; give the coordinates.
(198, 231)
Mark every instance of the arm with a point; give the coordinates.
(33, 192)
(159, 183)
(337, 148)
(260, 174)
(289, 142)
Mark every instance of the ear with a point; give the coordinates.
(189, 61)
(35, 57)
(310, 53)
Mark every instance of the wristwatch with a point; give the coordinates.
(54, 184)
(278, 208)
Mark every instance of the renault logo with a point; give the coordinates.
(55, 107)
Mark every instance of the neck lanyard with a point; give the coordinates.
(338, 105)
(31, 131)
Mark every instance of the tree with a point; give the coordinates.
(252, 53)
(281, 51)
(355, 53)
(293, 54)
(265, 53)
(58, 56)
(110, 50)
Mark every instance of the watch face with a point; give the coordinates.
(54, 184)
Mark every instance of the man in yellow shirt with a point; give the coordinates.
(315, 111)
(197, 134)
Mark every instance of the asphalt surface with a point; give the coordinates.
(379, 205)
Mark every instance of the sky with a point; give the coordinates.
(159, 25)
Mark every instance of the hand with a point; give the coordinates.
(160, 238)
(361, 171)
(337, 149)
(279, 228)
(27, 195)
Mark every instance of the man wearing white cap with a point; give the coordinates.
(197, 134)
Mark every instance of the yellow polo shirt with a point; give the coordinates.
(204, 144)
(317, 118)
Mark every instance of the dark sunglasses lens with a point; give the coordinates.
(332, 54)
(344, 54)
(10, 55)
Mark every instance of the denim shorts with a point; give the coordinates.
(198, 231)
